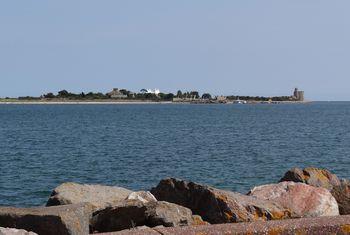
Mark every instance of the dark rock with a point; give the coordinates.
(295, 175)
(312, 176)
(342, 194)
(217, 206)
(99, 196)
(60, 220)
(134, 213)
(167, 214)
(301, 199)
(125, 215)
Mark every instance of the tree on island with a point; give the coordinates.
(206, 96)
(179, 94)
(49, 95)
(194, 94)
(63, 93)
(167, 97)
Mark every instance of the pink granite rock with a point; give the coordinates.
(301, 199)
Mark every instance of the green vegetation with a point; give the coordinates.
(142, 95)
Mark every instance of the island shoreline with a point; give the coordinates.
(87, 102)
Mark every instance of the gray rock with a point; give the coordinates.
(218, 206)
(142, 230)
(143, 196)
(168, 215)
(59, 220)
(135, 213)
(13, 231)
(99, 196)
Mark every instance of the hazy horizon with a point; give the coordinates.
(257, 48)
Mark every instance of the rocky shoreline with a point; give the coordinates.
(85, 209)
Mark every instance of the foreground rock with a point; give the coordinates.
(312, 176)
(60, 220)
(134, 213)
(217, 206)
(143, 196)
(342, 194)
(97, 195)
(305, 226)
(340, 189)
(301, 199)
(13, 231)
(143, 230)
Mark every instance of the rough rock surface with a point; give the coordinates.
(312, 176)
(143, 196)
(13, 231)
(58, 220)
(99, 196)
(134, 213)
(340, 189)
(217, 206)
(301, 199)
(143, 230)
(342, 194)
(306, 226)
(168, 215)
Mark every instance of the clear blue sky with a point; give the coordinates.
(222, 47)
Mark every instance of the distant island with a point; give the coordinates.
(152, 96)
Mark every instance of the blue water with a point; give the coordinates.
(228, 146)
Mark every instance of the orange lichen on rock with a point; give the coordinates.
(312, 176)
(345, 228)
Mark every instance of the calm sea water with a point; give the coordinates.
(231, 147)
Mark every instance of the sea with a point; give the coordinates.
(231, 147)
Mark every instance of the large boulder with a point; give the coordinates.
(312, 176)
(342, 194)
(168, 215)
(134, 213)
(59, 220)
(217, 206)
(301, 199)
(340, 189)
(13, 231)
(99, 196)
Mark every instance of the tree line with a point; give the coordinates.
(144, 95)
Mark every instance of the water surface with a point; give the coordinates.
(231, 147)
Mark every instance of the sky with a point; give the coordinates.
(227, 47)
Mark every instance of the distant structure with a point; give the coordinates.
(221, 99)
(117, 94)
(298, 95)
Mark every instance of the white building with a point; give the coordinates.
(117, 94)
(155, 91)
